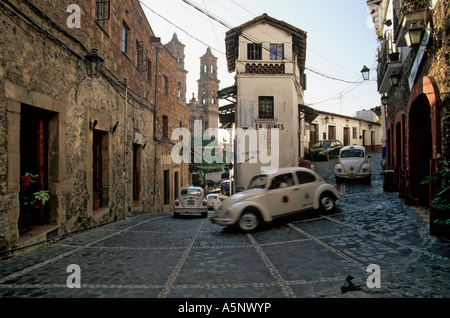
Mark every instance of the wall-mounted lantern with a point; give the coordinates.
(93, 124)
(394, 79)
(384, 99)
(94, 63)
(114, 128)
(413, 35)
(365, 73)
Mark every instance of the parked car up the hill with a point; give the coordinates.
(353, 163)
(191, 200)
(325, 149)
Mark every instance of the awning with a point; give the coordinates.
(227, 114)
(307, 112)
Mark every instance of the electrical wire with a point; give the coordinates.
(181, 29)
(345, 91)
(265, 47)
(256, 41)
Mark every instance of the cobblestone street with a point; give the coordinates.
(158, 256)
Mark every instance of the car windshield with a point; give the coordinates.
(258, 181)
(191, 191)
(322, 144)
(212, 196)
(352, 153)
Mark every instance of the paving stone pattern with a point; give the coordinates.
(309, 255)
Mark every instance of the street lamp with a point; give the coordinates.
(394, 79)
(93, 63)
(384, 99)
(413, 35)
(365, 73)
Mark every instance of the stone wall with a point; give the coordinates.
(435, 64)
(439, 68)
(42, 67)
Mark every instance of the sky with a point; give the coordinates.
(341, 39)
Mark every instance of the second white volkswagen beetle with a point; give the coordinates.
(269, 196)
(353, 163)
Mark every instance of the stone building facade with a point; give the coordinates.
(177, 50)
(205, 107)
(413, 76)
(80, 136)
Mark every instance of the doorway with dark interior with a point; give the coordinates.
(419, 151)
(34, 141)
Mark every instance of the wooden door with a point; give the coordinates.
(346, 136)
(97, 162)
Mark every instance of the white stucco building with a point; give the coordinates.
(348, 130)
(268, 57)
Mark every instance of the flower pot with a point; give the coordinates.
(96, 204)
(393, 57)
(37, 205)
(25, 181)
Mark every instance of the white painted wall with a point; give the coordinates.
(352, 123)
(287, 95)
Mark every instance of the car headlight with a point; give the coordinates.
(339, 170)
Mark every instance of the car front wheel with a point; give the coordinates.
(248, 221)
(326, 202)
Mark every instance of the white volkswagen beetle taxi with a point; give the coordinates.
(353, 163)
(270, 196)
(191, 200)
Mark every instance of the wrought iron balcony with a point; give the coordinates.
(389, 64)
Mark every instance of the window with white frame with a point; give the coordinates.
(277, 52)
(125, 30)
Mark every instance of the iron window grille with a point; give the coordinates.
(165, 126)
(165, 85)
(140, 59)
(265, 107)
(254, 51)
(102, 10)
(149, 71)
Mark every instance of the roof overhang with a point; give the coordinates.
(309, 113)
(298, 38)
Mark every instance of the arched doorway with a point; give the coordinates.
(399, 148)
(423, 141)
(419, 144)
(389, 146)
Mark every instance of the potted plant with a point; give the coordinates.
(393, 56)
(26, 179)
(410, 6)
(40, 198)
(96, 201)
(441, 202)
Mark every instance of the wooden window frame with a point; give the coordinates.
(102, 10)
(266, 105)
(277, 52)
(254, 51)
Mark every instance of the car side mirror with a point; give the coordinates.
(240, 189)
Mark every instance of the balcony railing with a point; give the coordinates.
(407, 13)
(389, 63)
